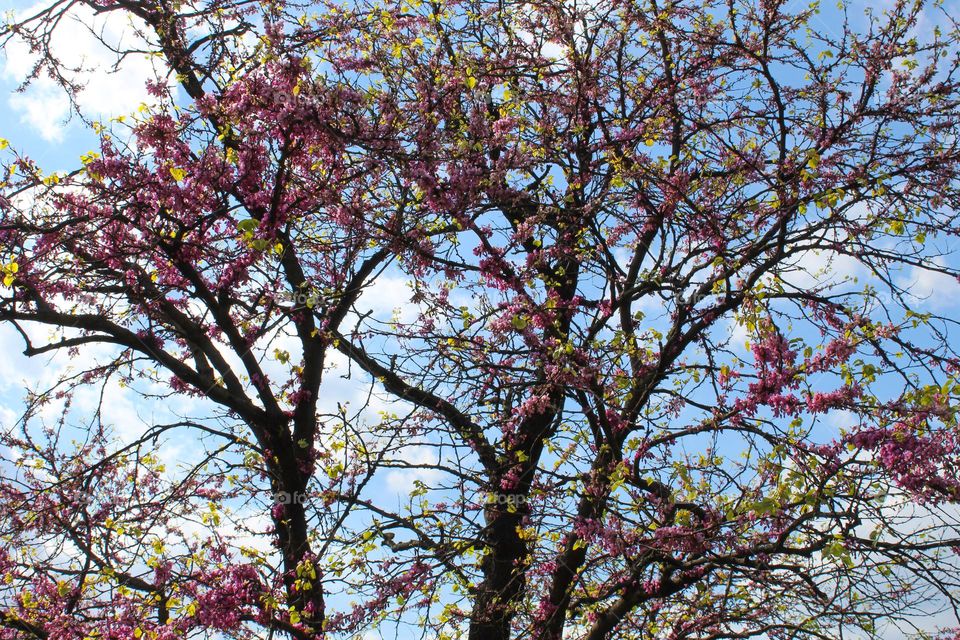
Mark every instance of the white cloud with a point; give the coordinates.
(44, 108)
(736, 333)
(929, 288)
(388, 296)
(821, 269)
(841, 420)
(547, 48)
(117, 407)
(107, 91)
(403, 481)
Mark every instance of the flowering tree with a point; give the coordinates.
(629, 331)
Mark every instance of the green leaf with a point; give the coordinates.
(248, 226)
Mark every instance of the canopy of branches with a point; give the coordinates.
(489, 320)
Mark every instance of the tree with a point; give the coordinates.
(595, 205)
